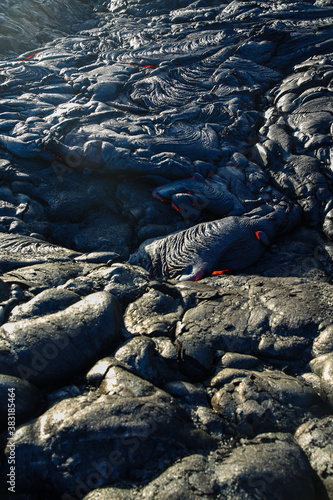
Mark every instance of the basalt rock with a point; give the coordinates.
(19, 250)
(315, 437)
(262, 401)
(142, 358)
(47, 302)
(273, 318)
(102, 438)
(139, 356)
(204, 127)
(246, 471)
(46, 350)
(153, 314)
(46, 275)
(125, 282)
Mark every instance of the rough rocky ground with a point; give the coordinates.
(131, 387)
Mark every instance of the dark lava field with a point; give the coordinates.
(166, 250)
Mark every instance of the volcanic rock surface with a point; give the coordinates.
(166, 219)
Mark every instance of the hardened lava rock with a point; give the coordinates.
(196, 139)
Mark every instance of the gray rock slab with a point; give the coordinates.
(274, 318)
(119, 381)
(142, 358)
(45, 275)
(316, 439)
(323, 367)
(125, 282)
(153, 314)
(56, 347)
(270, 466)
(323, 344)
(326, 383)
(266, 402)
(47, 302)
(240, 361)
(84, 442)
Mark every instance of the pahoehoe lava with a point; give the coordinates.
(229, 244)
(166, 213)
